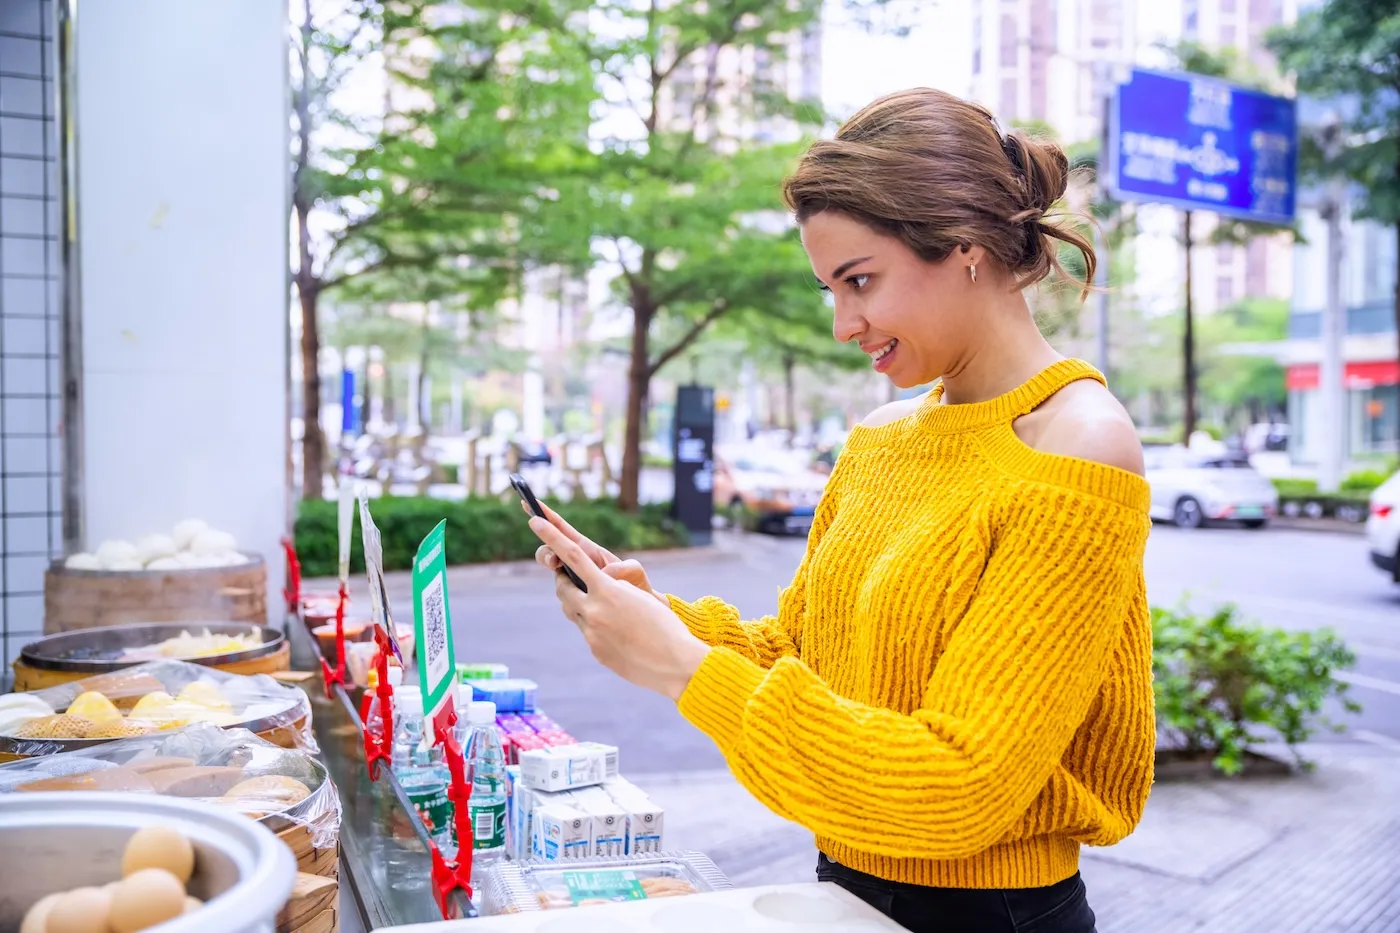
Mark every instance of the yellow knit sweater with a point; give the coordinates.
(957, 688)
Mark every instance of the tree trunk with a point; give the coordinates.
(1188, 347)
(638, 384)
(313, 442)
(1397, 277)
(790, 392)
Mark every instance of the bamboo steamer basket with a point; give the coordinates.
(79, 599)
(59, 659)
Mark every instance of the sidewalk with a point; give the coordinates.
(1308, 853)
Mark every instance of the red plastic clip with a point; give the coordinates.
(379, 748)
(337, 676)
(458, 874)
(292, 592)
(450, 876)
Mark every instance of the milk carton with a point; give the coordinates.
(645, 818)
(566, 767)
(609, 821)
(565, 832)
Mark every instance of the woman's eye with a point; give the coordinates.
(858, 281)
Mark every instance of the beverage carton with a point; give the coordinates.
(565, 832)
(568, 766)
(609, 821)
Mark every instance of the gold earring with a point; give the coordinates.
(972, 271)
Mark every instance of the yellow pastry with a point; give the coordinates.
(94, 706)
(62, 726)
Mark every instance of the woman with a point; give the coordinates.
(956, 691)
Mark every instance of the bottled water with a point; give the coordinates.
(487, 767)
(423, 775)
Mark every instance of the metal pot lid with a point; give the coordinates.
(55, 653)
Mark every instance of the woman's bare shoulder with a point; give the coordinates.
(1085, 421)
(894, 411)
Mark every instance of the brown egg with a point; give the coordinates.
(191, 904)
(84, 910)
(37, 918)
(143, 899)
(159, 847)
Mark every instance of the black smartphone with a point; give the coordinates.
(528, 496)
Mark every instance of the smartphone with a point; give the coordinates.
(528, 496)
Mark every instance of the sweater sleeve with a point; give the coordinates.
(765, 640)
(1016, 679)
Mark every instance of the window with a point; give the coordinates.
(1191, 19)
(1007, 110)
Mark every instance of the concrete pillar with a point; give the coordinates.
(182, 169)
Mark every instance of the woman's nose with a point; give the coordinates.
(846, 327)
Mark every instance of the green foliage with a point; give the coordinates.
(1223, 686)
(1363, 482)
(479, 530)
(1348, 51)
(1296, 488)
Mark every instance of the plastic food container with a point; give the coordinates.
(160, 696)
(809, 908)
(513, 887)
(56, 842)
(229, 768)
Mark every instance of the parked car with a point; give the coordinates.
(1383, 527)
(533, 450)
(1191, 489)
(767, 490)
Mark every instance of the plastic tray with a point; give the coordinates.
(796, 908)
(515, 887)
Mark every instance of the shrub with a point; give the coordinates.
(479, 530)
(1363, 482)
(1296, 488)
(1346, 507)
(1222, 685)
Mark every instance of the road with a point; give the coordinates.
(1284, 578)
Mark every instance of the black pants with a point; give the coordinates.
(1059, 908)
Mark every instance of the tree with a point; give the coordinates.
(682, 197)
(1228, 64)
(1348, 51)
(452, 182)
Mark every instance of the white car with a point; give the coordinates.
(1383, 527)
(1191, 489)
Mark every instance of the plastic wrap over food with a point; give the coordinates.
(230, 768)
(515, 887)
(150, 699)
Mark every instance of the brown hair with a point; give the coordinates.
(933, 171)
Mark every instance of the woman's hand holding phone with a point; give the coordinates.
(626, 571)
(628, 626)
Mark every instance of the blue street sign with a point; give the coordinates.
(348, 410)
(1200, 143)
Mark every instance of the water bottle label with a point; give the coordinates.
(488, 825)
(434, 809)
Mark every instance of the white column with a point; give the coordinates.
(182, 163)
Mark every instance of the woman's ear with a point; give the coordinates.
(971, 256)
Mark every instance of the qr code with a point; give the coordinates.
(434, 623)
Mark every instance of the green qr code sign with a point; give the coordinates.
(603, 886)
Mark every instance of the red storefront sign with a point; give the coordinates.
(1304, 376)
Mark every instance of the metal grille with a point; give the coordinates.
(31, 531)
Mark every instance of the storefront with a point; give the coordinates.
(1372, 409)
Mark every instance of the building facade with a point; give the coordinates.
(143, 280)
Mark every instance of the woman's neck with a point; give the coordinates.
(1009, 351)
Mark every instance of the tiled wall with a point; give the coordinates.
(30, 458)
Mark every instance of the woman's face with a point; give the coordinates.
(910, 316)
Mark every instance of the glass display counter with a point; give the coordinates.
(385, 862)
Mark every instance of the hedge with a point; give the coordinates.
(1348, 508)
(479, 530)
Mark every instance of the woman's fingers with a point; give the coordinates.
(568, 552)
(547, 558)
(599, 555)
